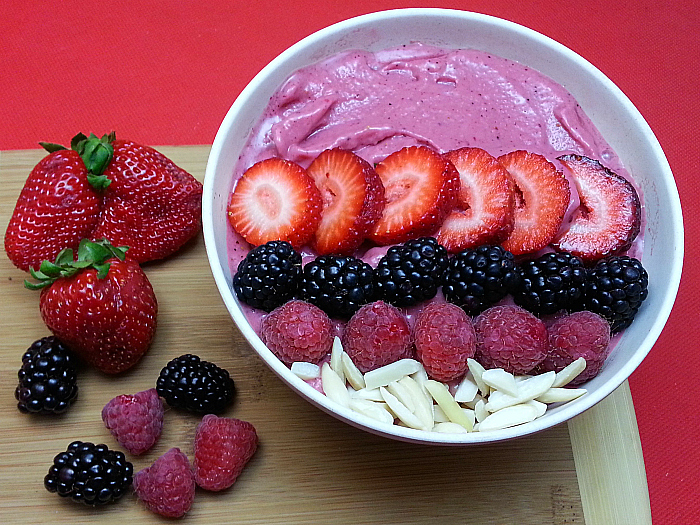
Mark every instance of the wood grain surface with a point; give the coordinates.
(309, 468)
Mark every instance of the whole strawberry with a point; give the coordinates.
(151, 205)
(136, 421)
(222, 447)
(60, 202)
(102, 305)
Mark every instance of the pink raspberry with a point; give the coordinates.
(511, 338)
(167, 487)
(581, 334)
(222, 447)
(445, 339)
(136, 421)
(297, 331)
(378, 334)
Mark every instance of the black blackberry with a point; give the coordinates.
(91, 474)
(338, 285)
(198, 386)
(478, 278)
(552, 282)
(269, 276)
(47, 379)
(411, 272)
(616, 288)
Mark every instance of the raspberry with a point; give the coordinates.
(445, 339)
(136, 421)
(297, 331)
(167, 487)
(511, 338)
(378, 334)
(581, 334)
(222, 447)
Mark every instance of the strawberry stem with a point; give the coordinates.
(91, 254)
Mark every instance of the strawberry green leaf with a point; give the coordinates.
(50, 269)
(64, 256)
(77, 141)
(102, 270)
(99, 182)
(51, 147)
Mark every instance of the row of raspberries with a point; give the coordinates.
(473, 279)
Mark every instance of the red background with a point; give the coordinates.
(165, 73)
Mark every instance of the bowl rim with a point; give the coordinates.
(556, 415)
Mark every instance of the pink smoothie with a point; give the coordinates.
(377, 103)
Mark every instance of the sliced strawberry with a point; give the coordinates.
(484, 212)
(609, 216)
(420, 187)
(275, 199)
(353, 200)
(541, 199)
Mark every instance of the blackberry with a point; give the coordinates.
(616, 288)
(552, 282)
(411, 272)
(91, 474)
(338, 285)
(478, 278)
(47, 379)
(189, 383)
(268, 276)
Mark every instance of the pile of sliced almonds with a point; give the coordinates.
(401, 393)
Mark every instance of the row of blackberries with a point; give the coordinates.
(474, 279)
(48, 381)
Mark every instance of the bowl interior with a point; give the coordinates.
(609, 109)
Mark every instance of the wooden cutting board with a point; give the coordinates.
(310, 467)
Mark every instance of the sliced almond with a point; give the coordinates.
(392, 372)
(508, 417)
(528, 389)
(477, 371)
(539, 406)
(402, 394)
(448, 427)
(368, 394)
(305, 370)
(376, 411)
(472, 404)
(439, 415)
(401, 411)
(422, 403)
(569, 372)
(561, 395)
(333, 386)
(336, 361)
(480, 410)
(499, 379)
(467, 389)
(352, 374)
(448, 404)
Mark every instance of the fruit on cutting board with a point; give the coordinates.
(100, 304)
(103, 188)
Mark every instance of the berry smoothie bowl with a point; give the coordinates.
(531, 106)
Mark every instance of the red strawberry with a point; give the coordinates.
(59, 204)
(420, 187)
(609, 217)
(542, 197)
(136, 421)
(353, 200)
(152, 206)
(275, 200)
(222, 447)
(484, 212)
(102, 306)
(167, 487)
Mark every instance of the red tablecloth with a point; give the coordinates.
(166, 72)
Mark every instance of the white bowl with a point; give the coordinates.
(609, 109)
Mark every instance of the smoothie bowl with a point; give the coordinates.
(460, 92)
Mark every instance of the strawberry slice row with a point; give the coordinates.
(465, 198)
